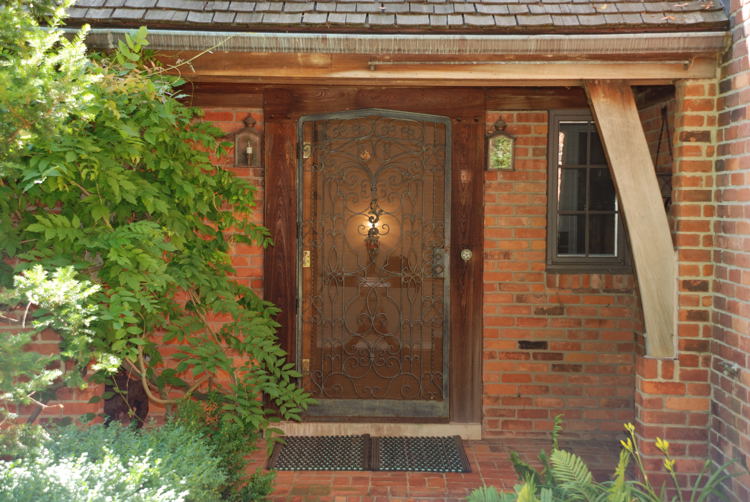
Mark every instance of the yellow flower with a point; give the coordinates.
(630, 427)
(669, 464)
(662, 445)
(627, 444)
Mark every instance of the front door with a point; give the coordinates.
(373, 219)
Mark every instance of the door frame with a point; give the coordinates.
(282, 108)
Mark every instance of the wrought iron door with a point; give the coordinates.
(373, 212)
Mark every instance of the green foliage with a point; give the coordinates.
(565, 477)
(39, 302)
(544, 478)
(117, 464)
(231, 442)
(44, 79)
(105, 170)
(488, 494)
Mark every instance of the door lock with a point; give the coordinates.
(466, 255)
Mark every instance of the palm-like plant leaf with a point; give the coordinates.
(569, 468)
(486, 494)
(526, 492)
(556, 430)
(524, 470)
(620, 491)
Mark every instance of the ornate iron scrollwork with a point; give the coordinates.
(374, 202)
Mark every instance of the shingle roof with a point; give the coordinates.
(457, 16)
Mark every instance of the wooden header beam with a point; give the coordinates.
(625, 144)
(358, 69)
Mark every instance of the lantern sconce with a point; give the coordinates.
(500, 148)
(246, 144)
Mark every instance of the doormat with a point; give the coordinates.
(365, 453)
(421, 454)
(321, 453)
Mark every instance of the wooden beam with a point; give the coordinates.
(280, 217)
(229, 95)
(625, 144)
(359, 69)
(322, 99)
(311, 100)
(536, 98)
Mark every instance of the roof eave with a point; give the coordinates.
(563, 46)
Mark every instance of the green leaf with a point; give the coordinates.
(99, 212)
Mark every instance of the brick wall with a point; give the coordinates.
(730, 368)
(553, 343)
(247, 260)
(672, 395)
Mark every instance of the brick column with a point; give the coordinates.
(730, 368)
(673, 395)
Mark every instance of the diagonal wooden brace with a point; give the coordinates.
(633, 172)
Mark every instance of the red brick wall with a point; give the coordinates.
(247, 260)
(730, 368)
(672, 395)
(553, 343)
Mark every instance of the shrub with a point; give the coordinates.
(232, 441)
(116, 463)
(105, 169)
(40, 301)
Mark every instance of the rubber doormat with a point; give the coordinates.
(421, 454)
(321, 453)
(365, 453)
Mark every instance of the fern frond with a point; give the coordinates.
(557, 426)
(619, 491)
(546, 495)
(524, 471)
(570, 468)
(486, 494)
(527, 492)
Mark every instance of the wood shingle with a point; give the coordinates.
(393, 16)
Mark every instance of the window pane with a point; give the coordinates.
(572, 147)
(597, 152)
(572, 189)
(602, 234)
(602, 190)
(571, 234)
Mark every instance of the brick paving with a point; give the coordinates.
(490, 465)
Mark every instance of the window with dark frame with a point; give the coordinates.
(585, 230)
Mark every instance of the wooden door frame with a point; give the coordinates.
(282, 107)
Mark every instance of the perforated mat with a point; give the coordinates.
(322, 453)
(362, 453)
(421, 454)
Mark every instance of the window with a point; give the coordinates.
(585, 230)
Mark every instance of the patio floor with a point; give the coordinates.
(490, 465)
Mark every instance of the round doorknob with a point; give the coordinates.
(466, 254)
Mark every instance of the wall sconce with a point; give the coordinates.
(500, 148)
(246, 144)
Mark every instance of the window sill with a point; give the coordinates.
(589, 268)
